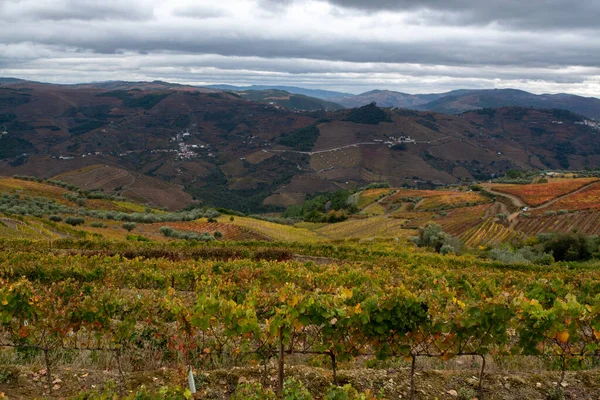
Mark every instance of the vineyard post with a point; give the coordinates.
(412, 376)
(480, 386)
(281, 365)
(333, 367)
(562, 371)
(121, 373)
(48, 374)
(265, 369)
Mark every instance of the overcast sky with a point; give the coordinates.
(418, 46)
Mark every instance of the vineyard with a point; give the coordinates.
(131, 309)
(586, 222)
(588, 198)
(111, 298)
(488, 233)
(540, 193)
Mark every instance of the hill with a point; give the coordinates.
(457, 102)
(289, 100)
(318, 93)
(228, 151)
(387, 98)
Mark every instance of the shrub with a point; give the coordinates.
(252, 391)
(556, 394)
(218, 235)
(170, 232)
(465, 393)
(346, 392)
(74, 221)
(129, 226)
(55, 218)
(97, 225)
(568, 246)
(432, 235)
(294, 389)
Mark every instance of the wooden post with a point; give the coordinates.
(48, 374)
(333, 367)
(480, 386)
(281, 366)
(412, 376)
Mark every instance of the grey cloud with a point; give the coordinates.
(523, 50)
(199, 12)
(502, 43)
(85, 10)
(546, 14)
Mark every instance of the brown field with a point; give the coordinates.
(141, 188)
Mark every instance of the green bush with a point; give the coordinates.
(55, 218)
(252, 391)
(74, 221)
(294, 389)
(569, 246)
(184, 235)
(432, 235)
(96, 224)
(129, 226)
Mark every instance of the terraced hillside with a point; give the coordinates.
(230, 152)
(141, 188)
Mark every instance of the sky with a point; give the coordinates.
(415, 46)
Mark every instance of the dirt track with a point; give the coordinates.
(519, 203)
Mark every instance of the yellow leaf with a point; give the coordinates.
(207, 351)
(4, 302)
(294, 300)
(597, 334)
(357, 309)
(562, 336)
(346, 293)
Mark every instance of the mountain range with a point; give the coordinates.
(158, 142)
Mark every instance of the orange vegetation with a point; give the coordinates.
(588, 198)
(539, 193)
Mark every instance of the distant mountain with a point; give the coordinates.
(461, 101)
(8, 81)
(289, 100)
(320, 94)
(386, 98)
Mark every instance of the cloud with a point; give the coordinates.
(85, 10)
(526, 15)
(347, 44)
(199, 12)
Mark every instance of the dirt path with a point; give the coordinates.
(520, 204)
